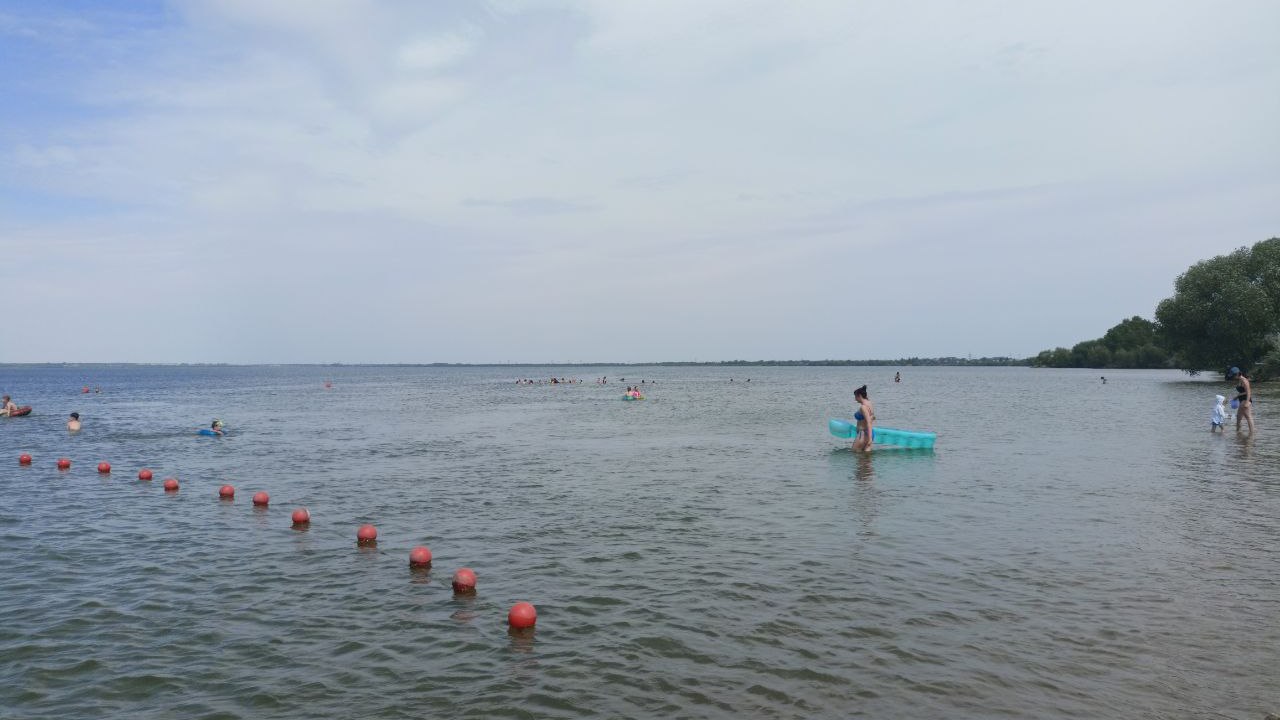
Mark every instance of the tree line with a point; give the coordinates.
(908, 362)
(1225, 312)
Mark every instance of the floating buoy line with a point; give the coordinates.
(522, 616)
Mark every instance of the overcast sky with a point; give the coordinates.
(347, 181)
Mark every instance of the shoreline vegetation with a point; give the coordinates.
(1225, 312)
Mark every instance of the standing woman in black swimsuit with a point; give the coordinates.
(1245, 388)
(865, 415)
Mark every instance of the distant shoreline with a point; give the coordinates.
(904, 362)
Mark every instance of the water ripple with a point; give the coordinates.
(708, 553)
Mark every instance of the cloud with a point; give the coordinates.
(743, 157)
(431, 54)
(531, 205)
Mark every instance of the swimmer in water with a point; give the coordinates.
(73, 425)
(7, 407)
(217, 426)
(865, 416)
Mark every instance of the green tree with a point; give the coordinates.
(1152, 356)
(1225, 311)
(1056, 358)
(1125, 358)
(1099, 356)
(1133, 343)
(1130, 334)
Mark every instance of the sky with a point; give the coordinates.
(612, 181)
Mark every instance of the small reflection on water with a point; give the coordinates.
(260, 516)
(864, 470)
(466, 611)
(1244, 440)
(420, 575)
(521, 639)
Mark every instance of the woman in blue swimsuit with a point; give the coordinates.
(865, 415)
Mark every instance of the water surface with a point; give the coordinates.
(1071, 549)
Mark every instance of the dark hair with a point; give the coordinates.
(75, 415)
(860, 392)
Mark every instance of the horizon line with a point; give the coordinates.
(943, 360)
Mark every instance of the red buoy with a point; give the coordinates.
(301, 516)
(227, 492)
(24, 459)
(261, 498)
(144, 474)
(84, 389)
(64, 464)
(420, 557)
(367, 535)
(464, 581)
(104, 467)
(170, 485)
(522, 616)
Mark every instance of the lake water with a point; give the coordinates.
(1071, 549)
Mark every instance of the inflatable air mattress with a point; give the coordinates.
(885, 435)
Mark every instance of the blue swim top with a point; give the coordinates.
(859, 416)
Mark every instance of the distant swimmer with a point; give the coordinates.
(897, 377)
(7, 407)
(217, 427)
(1104, 379)
(865, 416)
(74, 423)
(1245, 388)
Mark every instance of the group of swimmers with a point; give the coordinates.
(633, 391)
(8, 408)
(604, 380)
